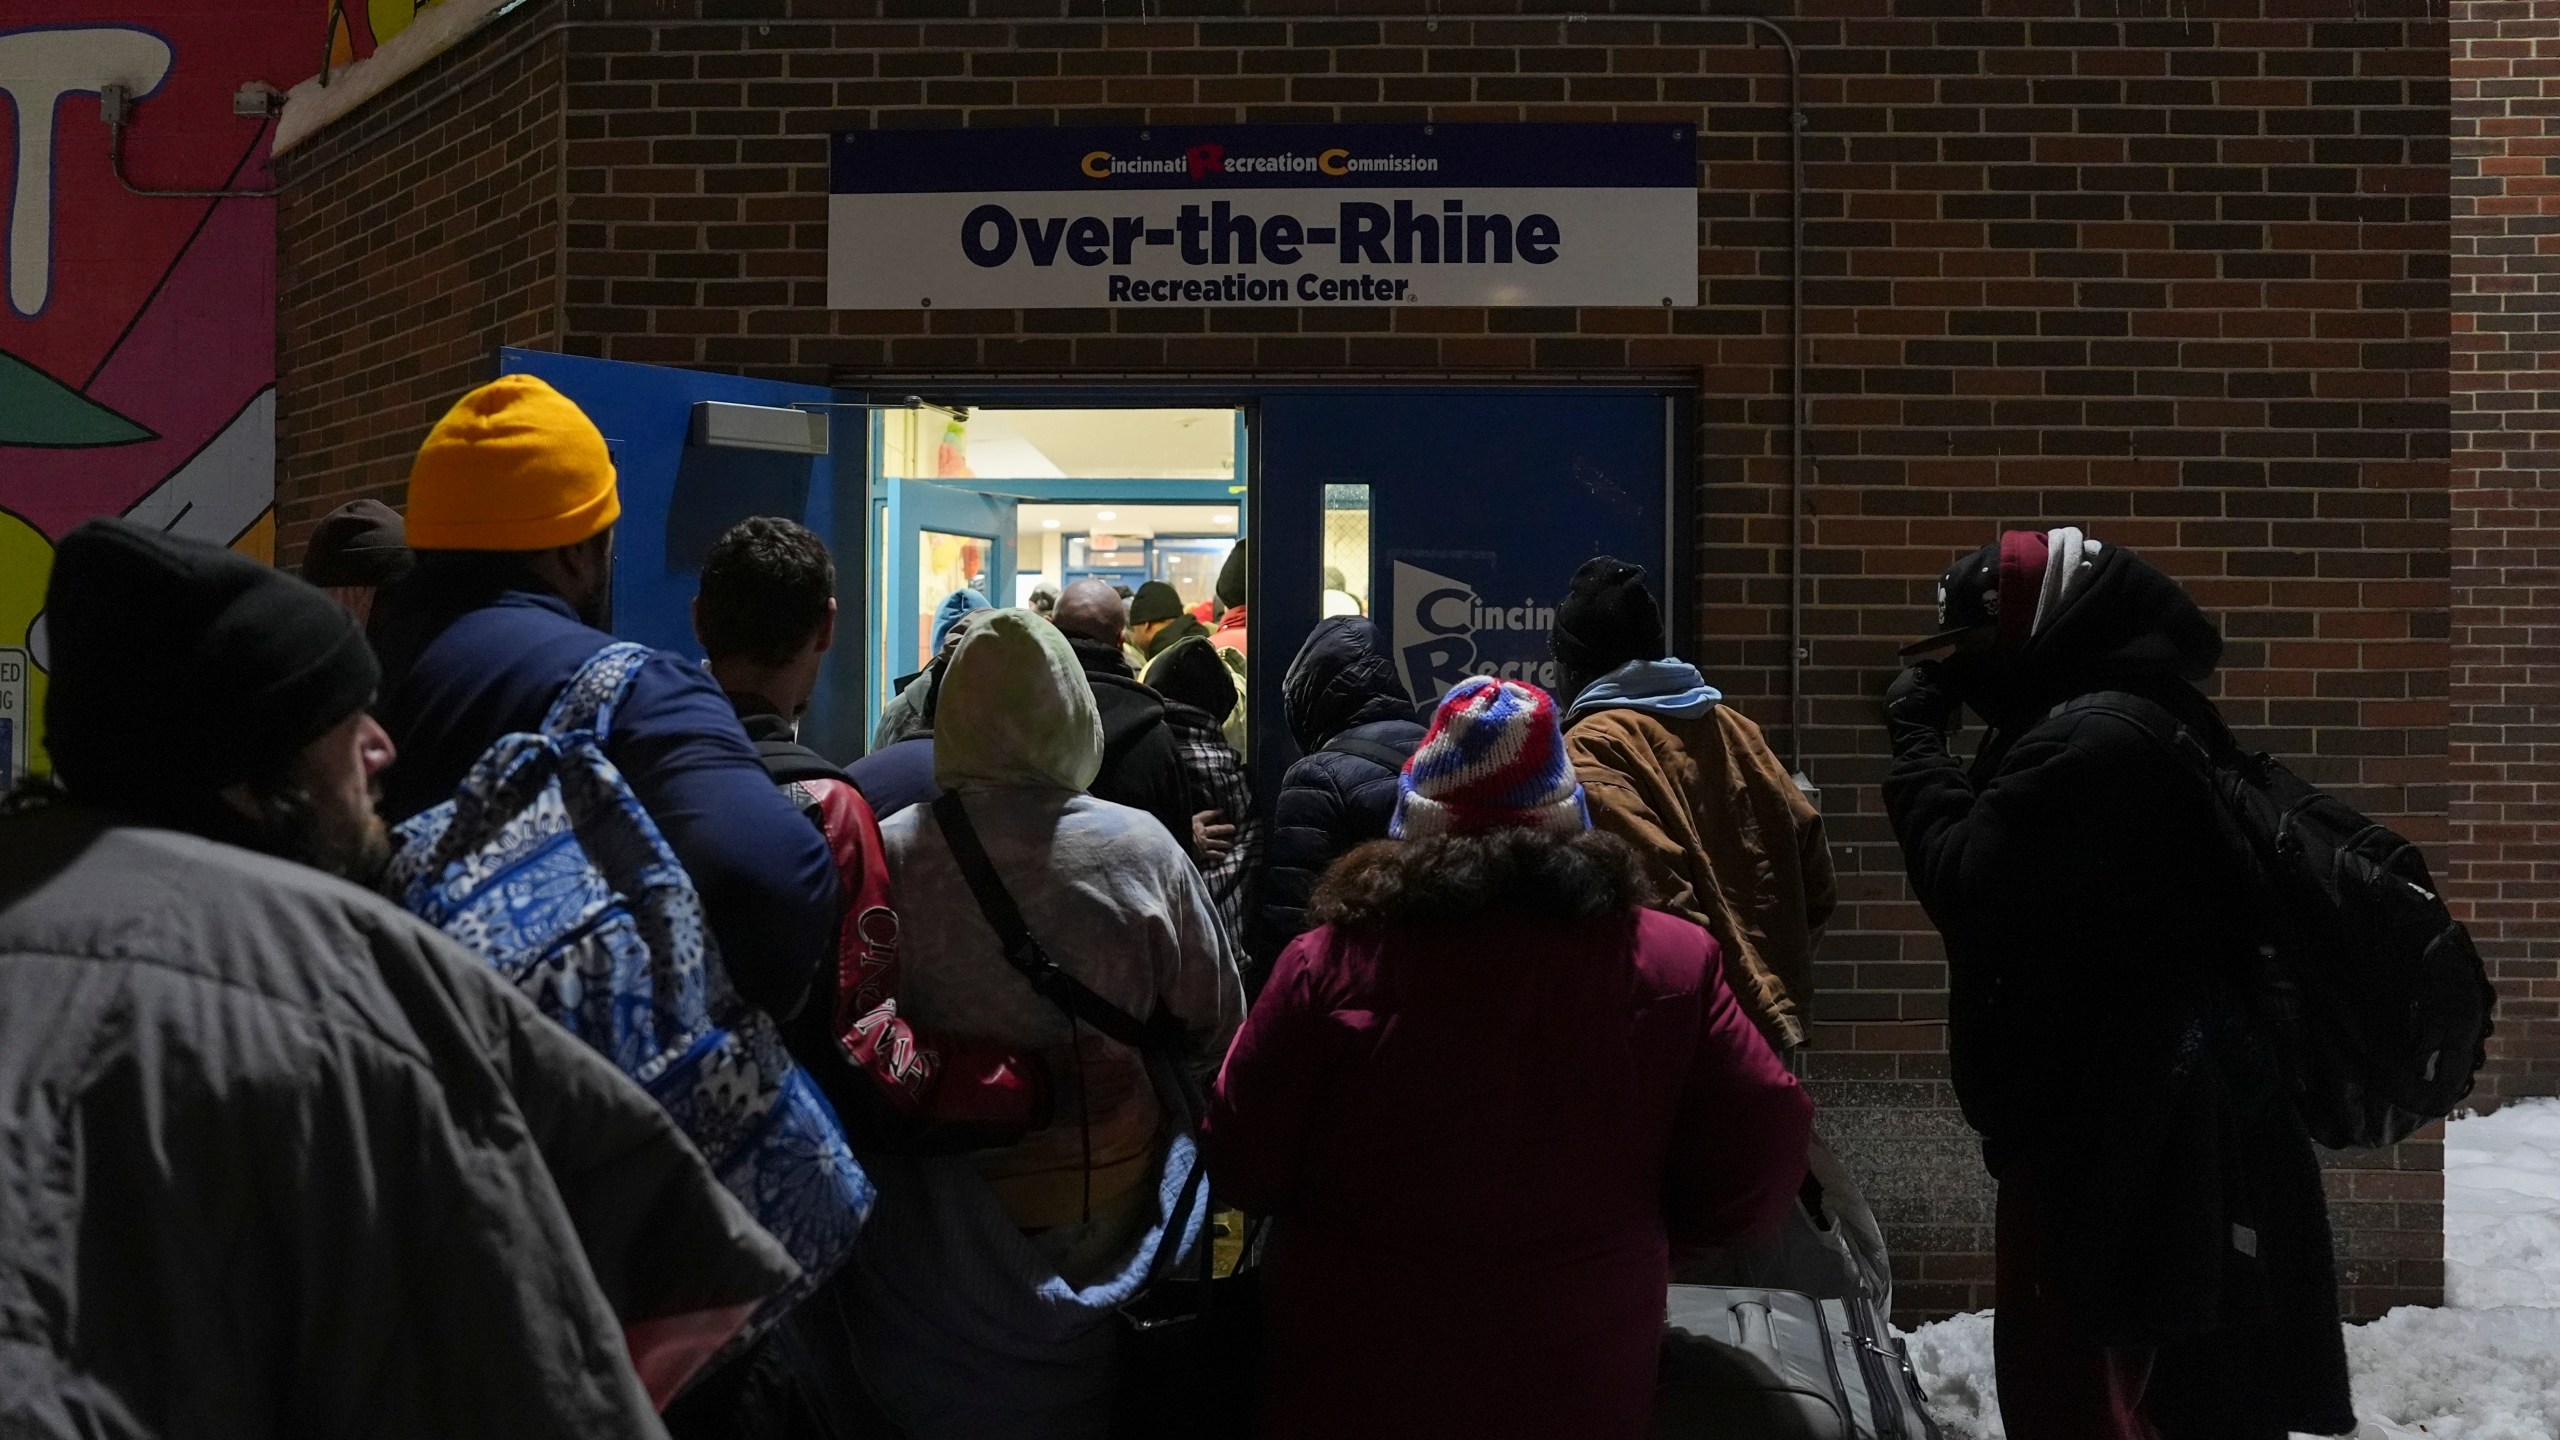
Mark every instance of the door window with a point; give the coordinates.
(946, 563)
(1345, 578)
(1190, 564)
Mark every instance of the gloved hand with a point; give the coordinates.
(1919, 706)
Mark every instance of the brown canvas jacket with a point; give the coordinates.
(1726, 839)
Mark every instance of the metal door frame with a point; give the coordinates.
(1244, 394)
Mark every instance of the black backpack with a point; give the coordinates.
(2373, 991)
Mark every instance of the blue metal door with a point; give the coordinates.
(1479, 505)
(677, 497)
(936, 536)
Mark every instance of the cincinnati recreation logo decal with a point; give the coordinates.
(1205, 162)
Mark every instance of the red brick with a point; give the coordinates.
(2197, 308)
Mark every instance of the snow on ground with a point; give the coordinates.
(2487, 1367)
(2502, 1207)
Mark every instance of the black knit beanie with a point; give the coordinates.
(1607, 619)
(1154, 601)
(1235, 578)
(359, 543)
(180, 667)
(1190, 671)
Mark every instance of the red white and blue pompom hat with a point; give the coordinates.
(1494, 758)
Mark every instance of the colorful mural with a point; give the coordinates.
(137, 332)
(364, 24)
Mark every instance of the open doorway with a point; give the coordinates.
(1004, 501)
(1124, 545)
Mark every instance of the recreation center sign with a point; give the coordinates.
(1263, 215)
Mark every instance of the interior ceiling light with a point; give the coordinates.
(1048, 524)
(1106, 514)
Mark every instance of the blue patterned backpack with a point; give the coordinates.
(545, 865)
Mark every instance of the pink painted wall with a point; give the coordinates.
(137, 334)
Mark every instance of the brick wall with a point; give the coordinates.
(2181, 279)
(2504, 856)
(417, 236)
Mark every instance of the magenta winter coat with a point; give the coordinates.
(1475, 1101)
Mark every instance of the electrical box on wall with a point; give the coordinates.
(759, 427)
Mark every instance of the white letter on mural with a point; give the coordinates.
(38, 68)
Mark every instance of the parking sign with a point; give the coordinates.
(13, 716)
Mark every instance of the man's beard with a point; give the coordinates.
(595, 608)
(292, 826)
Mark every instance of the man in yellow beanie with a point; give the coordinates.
(511, 509)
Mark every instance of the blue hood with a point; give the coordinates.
(948, 613)
(1670, 688)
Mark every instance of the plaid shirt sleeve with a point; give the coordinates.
(1214, 779)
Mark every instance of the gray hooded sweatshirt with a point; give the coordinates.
(965, 1329)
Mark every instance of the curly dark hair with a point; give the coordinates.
(765, 588)
(1581, 878)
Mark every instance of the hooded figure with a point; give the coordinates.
(1355, 728)
(1726, 836)
(1190, 672)
(984, 1292)
(948, 613)
(1198, 691)
(1479, 1099)
(903, 718)
(2164, 1248)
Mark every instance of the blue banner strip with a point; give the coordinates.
(1263, 157)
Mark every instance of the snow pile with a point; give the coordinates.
(2487, 1368)
(1953, 1360)
(2460, 1374)
(2502, 1207)
(2419, 1375)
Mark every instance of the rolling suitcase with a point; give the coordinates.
(1742, 1364)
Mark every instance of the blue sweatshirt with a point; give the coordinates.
(768, 884)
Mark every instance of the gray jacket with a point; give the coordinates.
(276, 1159)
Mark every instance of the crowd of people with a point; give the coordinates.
(1491, 1019)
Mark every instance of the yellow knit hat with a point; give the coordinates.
(514, 465)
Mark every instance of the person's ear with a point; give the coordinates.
(693, 612)
(827, 629)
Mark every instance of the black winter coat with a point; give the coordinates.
(2097, 924)
(1341, 688)
(1140, 766)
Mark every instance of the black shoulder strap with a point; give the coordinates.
(789, 760)
(1024, 952)
(1374, 751)
(2153, 718)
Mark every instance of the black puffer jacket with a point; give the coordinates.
(1140, 767)
(2096, 925)
(1342, 689)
